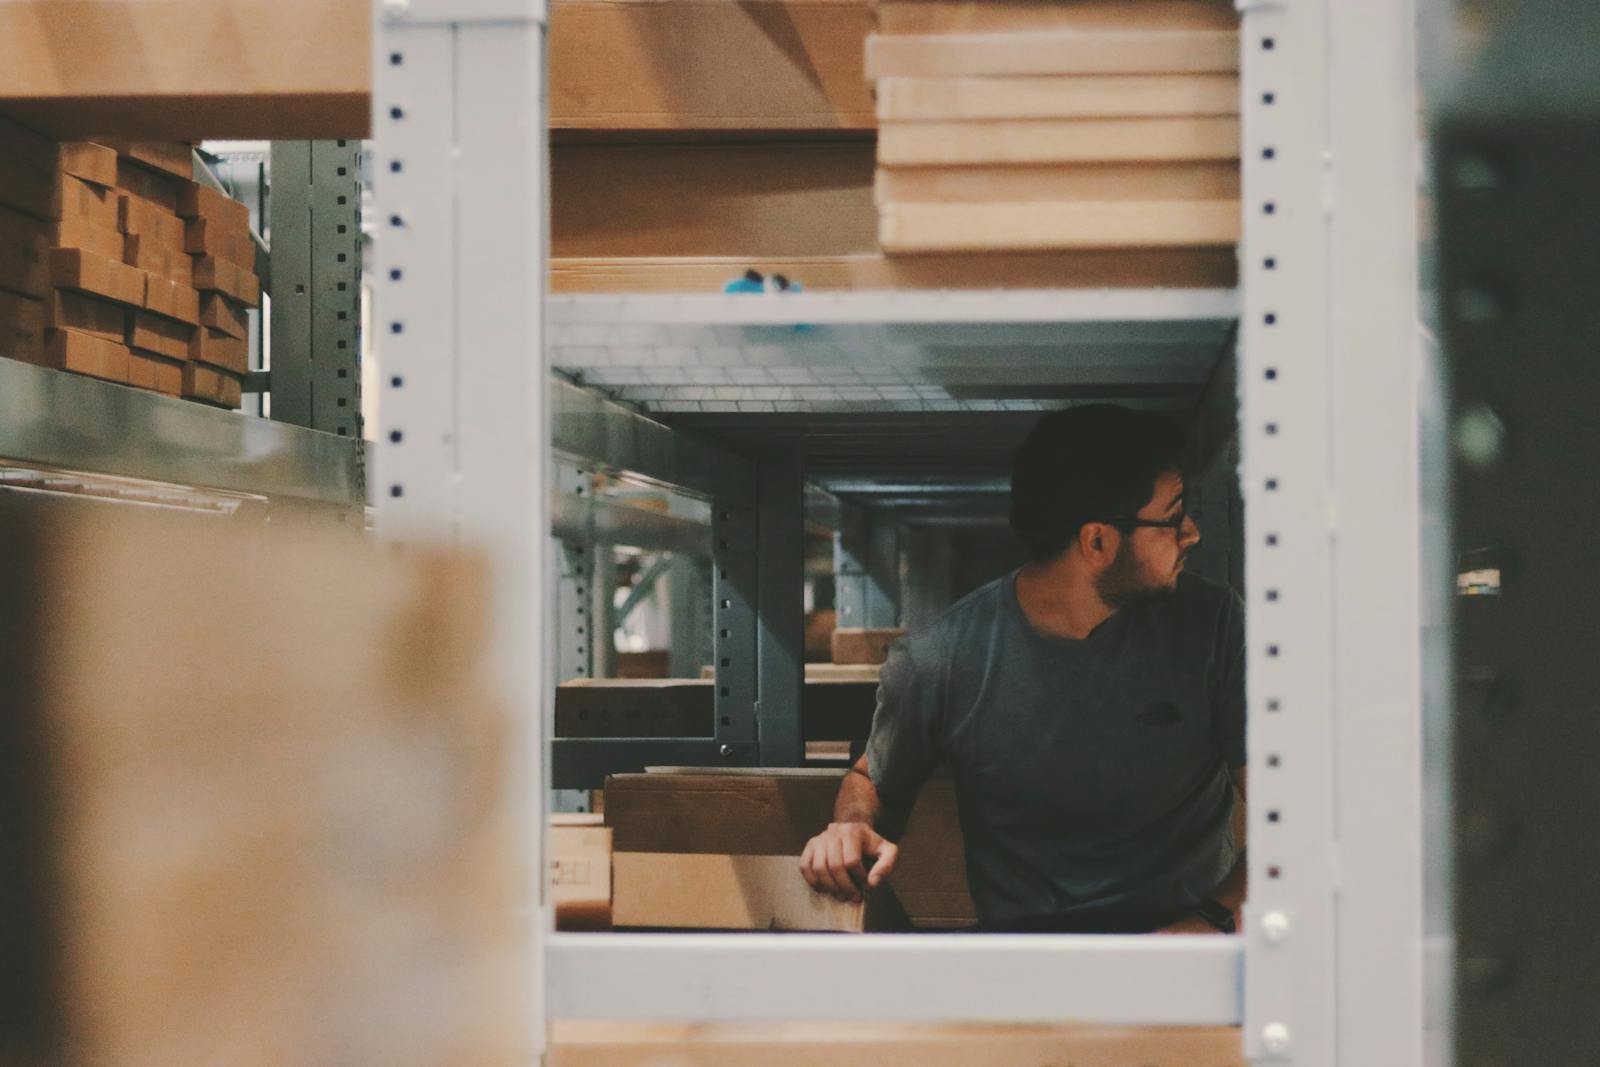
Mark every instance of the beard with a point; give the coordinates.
(1124, 583)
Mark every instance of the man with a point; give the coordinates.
(1089, 706)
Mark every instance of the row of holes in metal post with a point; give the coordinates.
(396, 326)
(1269, 263)
(724, 608)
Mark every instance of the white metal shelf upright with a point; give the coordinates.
(1327, 971)
(462, 450)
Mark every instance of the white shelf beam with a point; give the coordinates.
(1114, 980)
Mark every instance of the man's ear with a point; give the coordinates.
(1093, 541)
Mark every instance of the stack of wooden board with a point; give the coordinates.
(580, 1043)
(115, 264)
(250, 810)
(1070, 125)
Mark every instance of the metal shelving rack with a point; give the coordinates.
(1328, 969)
(63, 422)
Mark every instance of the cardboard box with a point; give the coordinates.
(579, 848)
(171, 157)
(1097, 182)
(89, 161)
(1101, 96)
(1188, 268)
(139, 216)
(854, 645)
(196, 201)
(149, 254)
(24, 254)
(805, 1044)
(184, 70)
(22, 326)
(216, 349)
(204, 237)
(156, 189)
(718, 892)
(68, 310)
(651, 663)
(212, 386)
(774, 813)
(1033, 16)
(71, 233)
(159, 375)
(84, 353)
(773, 65)
(75, 200)
(223, 315)
(74, 268)
(808, 199)
(160, 336)
(1058, 141)
(1046, 225)
(957, 55)
(170, 297)
(218, 275)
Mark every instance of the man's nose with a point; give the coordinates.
(1190, 533)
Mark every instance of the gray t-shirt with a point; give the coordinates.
(1091, 775)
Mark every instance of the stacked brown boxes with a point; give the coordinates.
(1038, 125)
(115, 264)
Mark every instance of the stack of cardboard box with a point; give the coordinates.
(115, 264)
(1037, 125)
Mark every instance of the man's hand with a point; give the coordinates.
(835, 861)
(1192, 924)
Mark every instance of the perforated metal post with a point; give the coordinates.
(463, 450)
(575, 570)
(734, 595)
(1286, 438)
(315, 207)
(1329, 375)
(781, 614)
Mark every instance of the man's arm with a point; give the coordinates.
(835, 860)
(1234, 889)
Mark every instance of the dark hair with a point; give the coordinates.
(1083, 464)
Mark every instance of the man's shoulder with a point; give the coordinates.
(956, 626)
(1204, 603)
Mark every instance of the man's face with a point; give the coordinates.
(1149, 559)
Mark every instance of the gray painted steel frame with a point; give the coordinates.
(315, 208)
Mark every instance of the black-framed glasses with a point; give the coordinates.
(1174, 523)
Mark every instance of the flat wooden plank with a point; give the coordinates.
(1093, 182)
(1189, 268)
(1024, 16)
(1031, 226)
(188, 69)
(1058, 141)
(1064, 96)
(759, 65)
(794, 199)
(1065, 52)
(610, 1044)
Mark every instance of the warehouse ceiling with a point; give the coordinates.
(895, 400)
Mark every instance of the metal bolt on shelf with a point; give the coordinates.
(1275, 1039)
(1275, 927)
